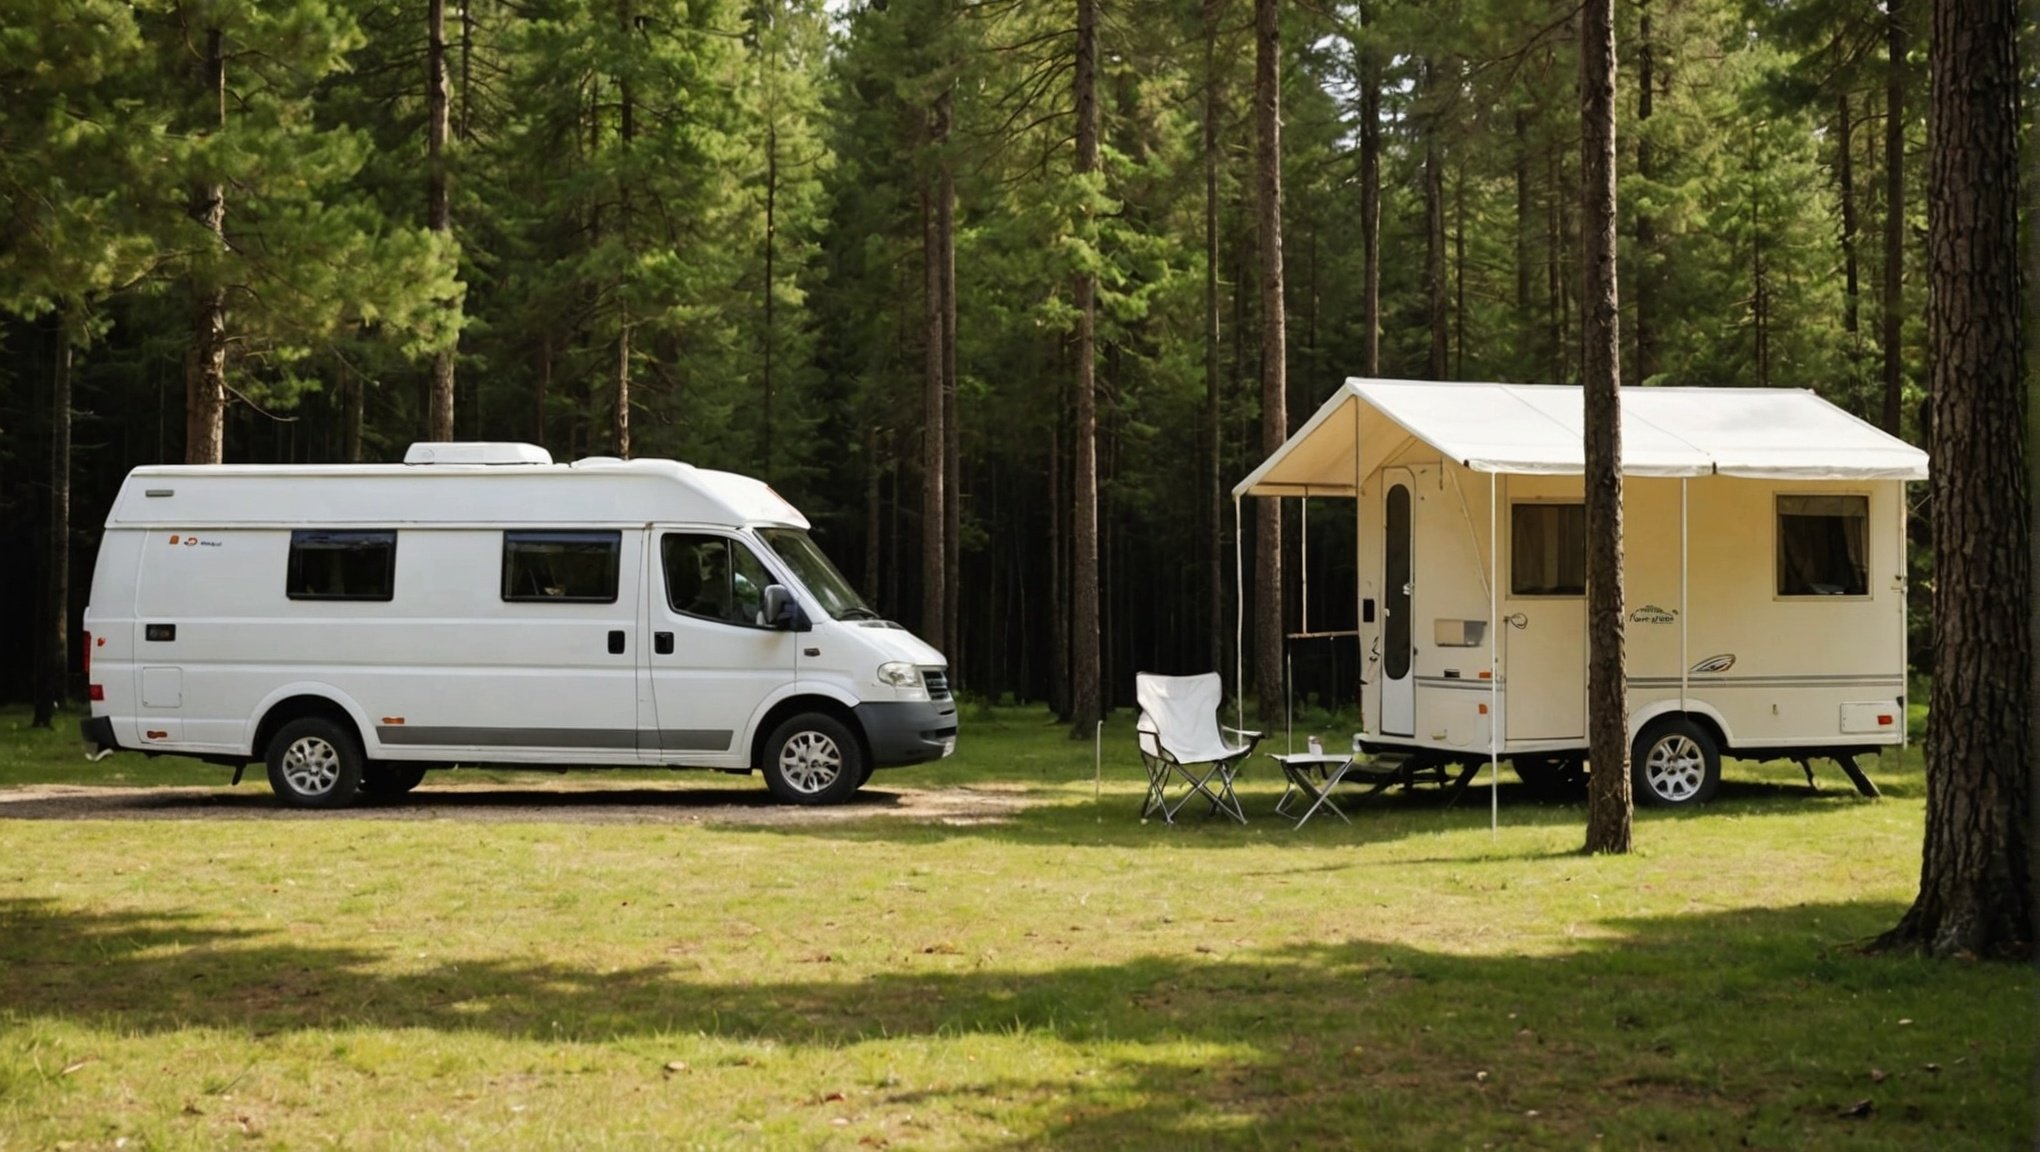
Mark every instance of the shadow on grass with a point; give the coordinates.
(1759, 1026)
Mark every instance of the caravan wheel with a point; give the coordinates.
(1674, 764)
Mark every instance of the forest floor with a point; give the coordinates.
(988, 952)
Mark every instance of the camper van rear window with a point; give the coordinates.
(561, 567)
(342, 565)
(1548, 550)
(1823, 545)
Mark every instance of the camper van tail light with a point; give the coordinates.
(88, 655)
(1884, 719)
(98, 693)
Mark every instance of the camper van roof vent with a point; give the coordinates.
(476, 452)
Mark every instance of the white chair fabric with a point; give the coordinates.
(1183, 746)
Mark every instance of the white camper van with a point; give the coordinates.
(355, 625)
(1764, 577)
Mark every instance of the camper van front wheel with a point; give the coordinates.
(314, 763)
(813, 759)
(1674, 764)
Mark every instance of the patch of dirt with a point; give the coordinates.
(518, 803)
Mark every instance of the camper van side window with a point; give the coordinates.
(1548, 550)
(555, 567)
(341, 565)
(1822, 545)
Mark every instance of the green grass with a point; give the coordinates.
(570, 975)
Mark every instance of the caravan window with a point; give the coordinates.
(1822, 545)
(1548, 550)
(341, 565)
(561, 566)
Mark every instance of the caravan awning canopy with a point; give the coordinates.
(1772, 433)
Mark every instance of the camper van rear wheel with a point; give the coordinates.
(1674, 764)
(812, 758)
(314, 763)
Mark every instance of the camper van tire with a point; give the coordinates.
(314, 763)
(384, 779)
(813, 758)
(1674, 763)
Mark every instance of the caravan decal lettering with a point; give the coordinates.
(1721, 663)
(1652, 614)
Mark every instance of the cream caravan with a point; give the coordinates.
(354, 625)
(1764, 573)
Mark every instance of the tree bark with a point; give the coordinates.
(57, 583)
(1370, 198)
(1086, 705)
(952, 431)
(1845, 178)
(438, 202)
(1609, 801)
(1645, 263)
(205, 358)
(1434, 230)
(1894, 215)
(1526, 324)
(934, 513)
(1976, 874)
(1268, 614)
(1213, 482)
(766, 422)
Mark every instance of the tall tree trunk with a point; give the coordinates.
(1370, 198)
(1894, 214)
(205, 358)
(766, 420)
(1214, 485)
(1086, 704)
(57, 574)
(1608, 802)
(1554, 274)
(1526, 324)
(1976, 882)
(438, 203)
(952, 429)
(1646, 223)
(1434, 229)
(934, 515)
(872, 499)
(353, 408)
(1268, 614)
(1058, 573)
(1845, 177)
(465, 130)
(626, 132)
(1459, 273)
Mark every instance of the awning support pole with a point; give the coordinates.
(1239, 546)
(1494, 628)
(1685, 607)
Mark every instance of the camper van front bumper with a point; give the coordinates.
(908, 733)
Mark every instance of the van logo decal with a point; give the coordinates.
(1721, 663)
(1652, 614)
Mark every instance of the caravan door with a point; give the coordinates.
(1544, 643)
(1398, 588)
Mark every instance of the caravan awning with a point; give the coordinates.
(1771, 433)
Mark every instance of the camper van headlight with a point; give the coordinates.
(902, 676)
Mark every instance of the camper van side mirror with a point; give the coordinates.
(783, 611)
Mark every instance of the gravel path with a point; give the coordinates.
(519, 803)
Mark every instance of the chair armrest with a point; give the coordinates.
(1241, 731)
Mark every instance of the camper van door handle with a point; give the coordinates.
(1517, 620)
(662, 643)
(616, 642)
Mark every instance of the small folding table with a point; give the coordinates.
(1312, 776)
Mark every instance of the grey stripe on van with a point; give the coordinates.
(674, 739)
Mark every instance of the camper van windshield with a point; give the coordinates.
(799, 553)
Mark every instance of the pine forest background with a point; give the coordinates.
(843, 247)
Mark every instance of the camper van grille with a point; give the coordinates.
(938, 685)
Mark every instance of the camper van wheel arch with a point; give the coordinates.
(1675, 763)
(314, 763)
(813, 758)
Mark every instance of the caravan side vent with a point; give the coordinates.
(476, 452)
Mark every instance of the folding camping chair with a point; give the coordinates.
(1182, 746)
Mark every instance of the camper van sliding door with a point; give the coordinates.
(1398, 588)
